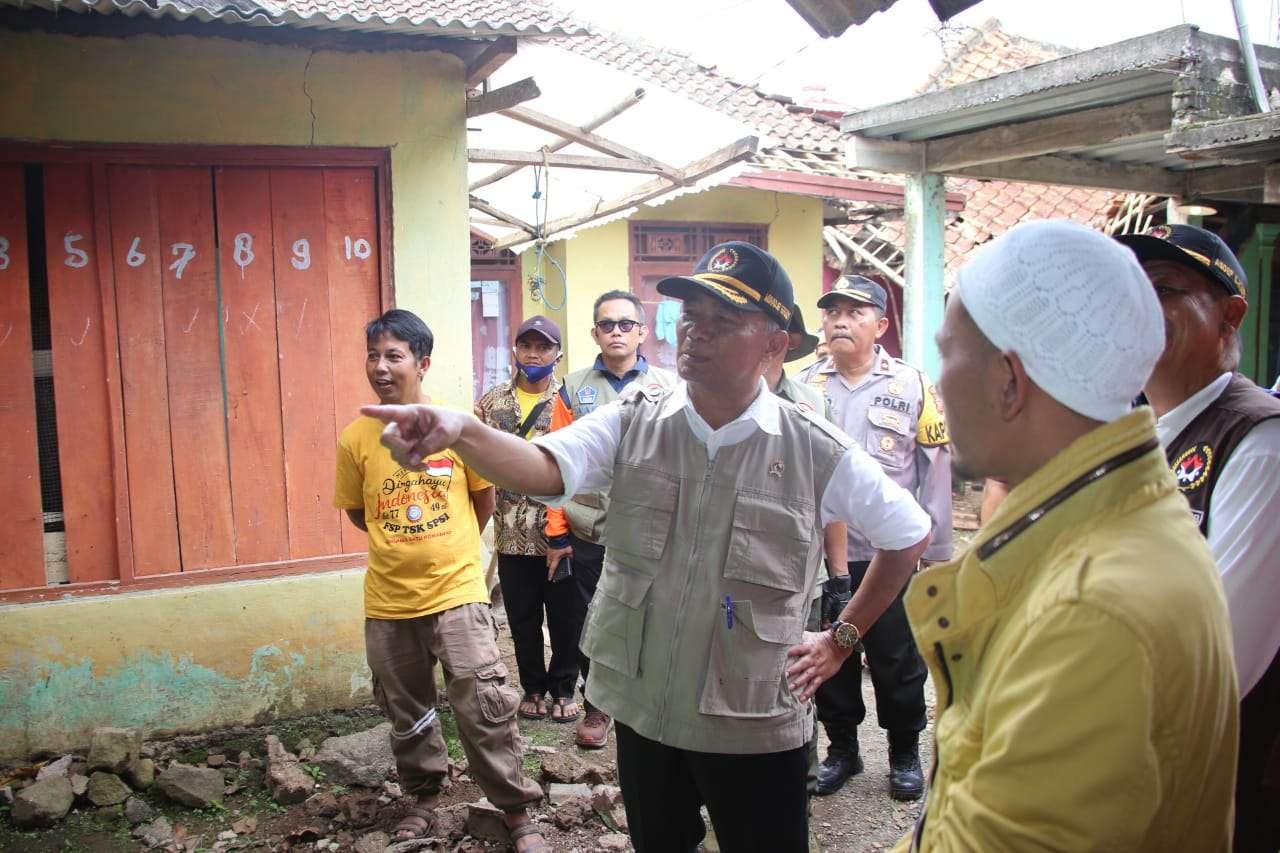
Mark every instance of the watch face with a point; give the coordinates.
(846, 635)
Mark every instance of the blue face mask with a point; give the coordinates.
(536, 373)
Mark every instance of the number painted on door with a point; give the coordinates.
(76, 258)
(242, 254)
(184, 252)
(359, 248)
(133, 257)
(301, 259)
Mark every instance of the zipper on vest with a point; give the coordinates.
(918, 833)
(684, 597)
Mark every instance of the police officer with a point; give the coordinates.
(576, 531)
(891, 410)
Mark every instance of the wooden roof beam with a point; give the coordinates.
(697, 170)
(502, 216)
(504, 98)
(569, 161)
(490, 58)
(564, 130)
(1081, 172)
(608, 115)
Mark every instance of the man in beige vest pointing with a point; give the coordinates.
(720, 492)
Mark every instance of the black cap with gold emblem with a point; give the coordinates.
(1192, 247)
(743, 276)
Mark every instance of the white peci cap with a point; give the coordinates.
(1075, 306)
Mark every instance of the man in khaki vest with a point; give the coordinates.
(719, 495)
(575, 531)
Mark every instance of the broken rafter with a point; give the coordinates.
(733, 153)
(569, 161)
(504, 98)
(502, 216)
(608, 115)
(584, 137)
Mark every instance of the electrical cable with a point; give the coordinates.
(541, 209)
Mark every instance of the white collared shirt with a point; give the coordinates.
(858, 493)
(1243, 534)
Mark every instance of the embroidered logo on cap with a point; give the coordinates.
(724, 260)
(1192, 468)
(1162, 232)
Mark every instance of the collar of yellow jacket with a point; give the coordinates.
(1111, 470)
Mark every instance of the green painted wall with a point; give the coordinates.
(1257, 360)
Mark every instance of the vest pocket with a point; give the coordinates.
(641, 512)
(770, 541)
(745, 673)
(889, 439)
(614, 628)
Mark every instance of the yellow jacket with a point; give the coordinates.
(1082, 657)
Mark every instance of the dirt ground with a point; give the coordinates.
(860, 817)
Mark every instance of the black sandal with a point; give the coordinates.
(560, 703)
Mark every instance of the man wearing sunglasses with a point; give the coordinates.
(576, 531)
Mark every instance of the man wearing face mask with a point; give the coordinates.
(522, 406)
(575, 532)
(892, 410)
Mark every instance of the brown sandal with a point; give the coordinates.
(536, 700)
(524, 830)
(408, 823)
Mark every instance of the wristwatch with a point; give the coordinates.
(846, 636)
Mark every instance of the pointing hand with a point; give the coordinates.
(415, 432)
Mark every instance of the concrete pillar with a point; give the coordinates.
(923, 268)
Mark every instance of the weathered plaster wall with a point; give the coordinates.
(179, 660)
(187, 90)
(598, 259)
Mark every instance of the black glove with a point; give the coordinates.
(836, 593)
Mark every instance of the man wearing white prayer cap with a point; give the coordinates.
(1080, 645)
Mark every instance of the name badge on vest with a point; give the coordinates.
(587, 399)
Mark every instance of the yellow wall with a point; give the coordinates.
(179, 660)
(183, 89)
(231, 653)
(598, 259)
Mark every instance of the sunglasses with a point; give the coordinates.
(607, 326)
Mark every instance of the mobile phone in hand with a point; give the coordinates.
(564, 569)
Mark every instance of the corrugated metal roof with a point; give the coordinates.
(456, 18)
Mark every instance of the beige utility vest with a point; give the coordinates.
(690, 543)
(587, 390)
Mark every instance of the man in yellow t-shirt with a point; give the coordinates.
(425, 598)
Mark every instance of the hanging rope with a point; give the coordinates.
(541, 207)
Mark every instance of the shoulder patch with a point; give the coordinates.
(931, 428)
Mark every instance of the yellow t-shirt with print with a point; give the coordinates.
(424, 546)
(527, 400)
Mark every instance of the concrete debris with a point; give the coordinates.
(142, 773)
(216, 761)
(569, 768)
(245, 825)
(362, 759)
(613, 843)
(361, 810)
(285, 778)
(107, 789)
(559, 792)
(484, 821)
(43, 803)
(374, 842)
(136, 811)
(573, 813)
(197, 787)
(61, 767)
(392, 790)
(79, 784)
(539, 749)
(323, 805)
(158, 833)
(114, 749)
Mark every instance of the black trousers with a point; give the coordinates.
(526, 592)
(1258, 770)
(588, 562)
(757, 803)
(897, 673)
